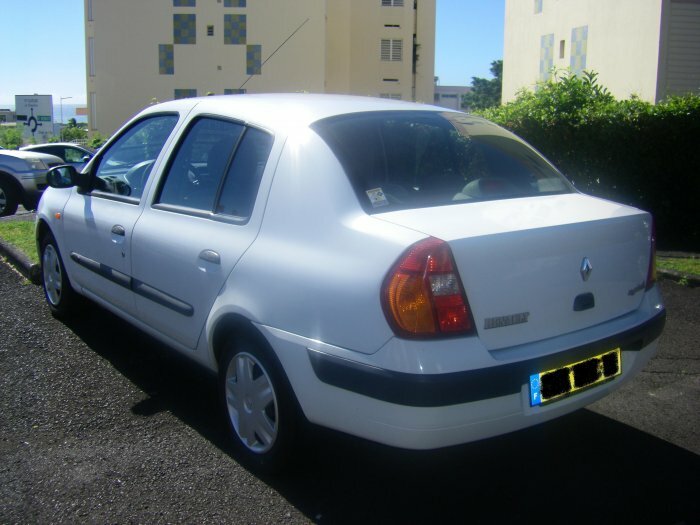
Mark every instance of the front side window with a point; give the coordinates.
(409, 159)
(124, 168)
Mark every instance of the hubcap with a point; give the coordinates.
(53, 279)
(3, 200)
(251, 403)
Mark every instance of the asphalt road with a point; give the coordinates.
(99, 424)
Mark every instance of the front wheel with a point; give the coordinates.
(8, 199)
(59, 294)
(258, 403)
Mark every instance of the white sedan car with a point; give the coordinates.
(400, 272)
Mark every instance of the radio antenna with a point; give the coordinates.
(278, 48)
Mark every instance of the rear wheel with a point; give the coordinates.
(258, 403)
(59, 294)
(8, 198)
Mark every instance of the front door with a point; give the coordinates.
(98, 224)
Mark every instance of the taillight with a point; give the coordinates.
(423, 296)
(651, 273)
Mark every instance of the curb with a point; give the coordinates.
(21, 262)
(688, 279)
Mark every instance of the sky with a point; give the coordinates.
(43, 43)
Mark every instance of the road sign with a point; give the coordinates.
(36, 113)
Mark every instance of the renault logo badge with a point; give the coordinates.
(586, 268)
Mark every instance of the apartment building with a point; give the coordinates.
(647, 48)
(141, 51)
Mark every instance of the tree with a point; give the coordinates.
(11, 137)
(72, 131)
(485, 93)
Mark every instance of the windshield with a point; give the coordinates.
(415, 159)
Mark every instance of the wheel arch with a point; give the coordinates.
(14, 184)
(42, 228)
(234, 326)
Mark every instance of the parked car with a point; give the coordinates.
(23, 178)
(74, 154)
(412, 275)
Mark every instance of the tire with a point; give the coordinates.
(59, 294)
(259, 406)
(8, 198)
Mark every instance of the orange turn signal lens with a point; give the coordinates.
(423, 296)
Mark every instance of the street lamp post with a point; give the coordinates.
(61, 132)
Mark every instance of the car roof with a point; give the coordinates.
(286, 110)
(31, 147)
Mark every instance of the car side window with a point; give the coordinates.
(243, 178)
(73, 155)
(194, 176)
(124, 168)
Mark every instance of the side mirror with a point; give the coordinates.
(66, 176)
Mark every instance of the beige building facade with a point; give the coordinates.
(141, 51)
(647, 48)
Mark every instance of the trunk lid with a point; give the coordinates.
(523, 261)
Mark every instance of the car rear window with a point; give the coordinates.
(415, 159)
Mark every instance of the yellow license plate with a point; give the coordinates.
(554, 384)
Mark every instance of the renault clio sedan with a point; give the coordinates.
(404, 273)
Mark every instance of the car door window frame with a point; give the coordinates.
(210, 214)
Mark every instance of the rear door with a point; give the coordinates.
(188, 241)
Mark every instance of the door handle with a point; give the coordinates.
(210, 256)
(118, 230)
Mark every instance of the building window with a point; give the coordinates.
(184, 3)
(391, 50)
(234, 3)
(538, 6)
(233, 91)
(93, 110)
(235, 29)
(185, 93)
(579, 49)
(91, 56)
(89, 11)
(390, 80)
(253, 58)
(562, 48)
(392, 3)
(166, 59)
(392, 96)
(184, 29)
(210, 30)
(546, 56)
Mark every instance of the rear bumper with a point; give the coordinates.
(406, 409)
(434, 390)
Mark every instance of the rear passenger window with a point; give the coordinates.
(217, 168)
(196, 173)
(243, 178)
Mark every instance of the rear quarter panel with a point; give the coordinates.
(317, 265)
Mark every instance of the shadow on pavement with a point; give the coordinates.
(580, 468)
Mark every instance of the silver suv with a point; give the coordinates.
(23, 178)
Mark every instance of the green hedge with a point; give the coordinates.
(629, 151)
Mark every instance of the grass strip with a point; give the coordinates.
(682, 265)
(20, 234)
